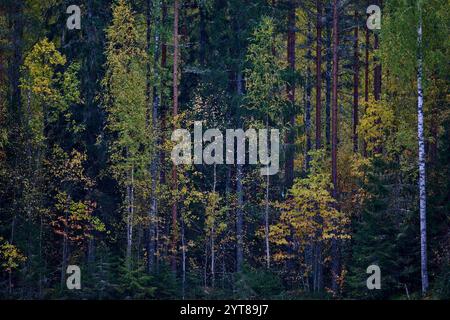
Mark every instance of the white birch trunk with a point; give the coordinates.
(130, 196)
(420, 137)
(266, 215)
(213, 253)
(183, 253)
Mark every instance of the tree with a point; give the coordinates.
(319, 75)
(418, 59)
(11, 259)
(174, 114)
(422, 177)
(356, 86)
(124, 101)
(334, 133)
(377, 230)
(263, 92)
(310, 198)
(290, 138)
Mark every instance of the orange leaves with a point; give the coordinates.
(74, 219)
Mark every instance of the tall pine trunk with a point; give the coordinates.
(319, 75)
(329, 57)
(16, 26)
(366, 66)
(308, 88)
(355, 85)
(366, 81)
(175, 113)
(317, 246)
(334, 140)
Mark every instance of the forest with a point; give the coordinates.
(351, 97)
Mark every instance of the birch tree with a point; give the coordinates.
(124, 101)
(422, 174)
(264, 92)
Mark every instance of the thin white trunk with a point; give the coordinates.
(213, 253)
(65, 243)
(183, 252)
(130, 198)
(240, 197)
(266, 226)
(422, 177)
(266, 216)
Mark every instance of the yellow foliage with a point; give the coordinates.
(376, 124)
(10, 256)
(310, 211)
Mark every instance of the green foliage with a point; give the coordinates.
(258, 284)
(264, 79)
(10, 256)
(48, 92)
(124, 97)
(382, 236)
(399, 36)
(135, 283)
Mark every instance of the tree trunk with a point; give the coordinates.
(377, 71)
(366, 81)
(130, 209)
(16, 26)
(328, 88)
(266, 213)
(202, 31)
(163, 111)
(41, 260)
(422, 176)
(377, 68)
(334, 138)
(213, 252)
(65, 243)
(266, 224)
(148, 62)
(183, 254)
(355, 86)
(153, 212)
(290, 136)
(366, 67)
(205, 267)
(163, 107)
(175, 113)
(319, 75)
(308, 102)
(157, 134)
(240, 199)
(317, 246)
